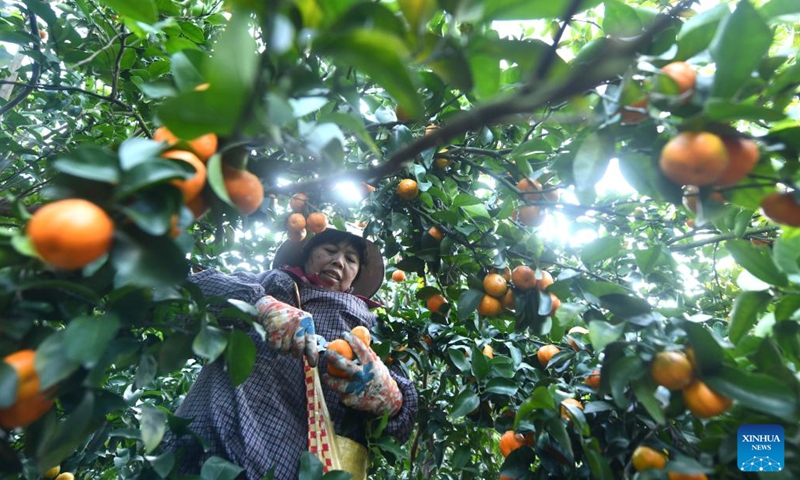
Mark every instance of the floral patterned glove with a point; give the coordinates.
(368, 386)
(289, 329)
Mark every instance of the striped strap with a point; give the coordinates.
(319, 440)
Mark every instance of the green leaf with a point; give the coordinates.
(601, 249)
(468, 302)
(240, 356)
(742, 41)
(446, 58)
(459, 359)
(152, 425)
(502, 386)
(150, 173)
(619, 374)
(185, 70)
(626, 306)
(708, 353)
(598, 464)
(698, 32)
(140, 10)
(528, 10)
(64, 440)
(148, 368)
(146, 261)
(90, 163)
(464, 403)
(760, 392)
(621, 20)
(644, 391)
(756, 261)
(310, 467)
(87, 337)
(778, 8)
(603, 333)
(52, 361)
(233, 67)
(786, 253)
(746, 309)
(541, 399)
(728, 111)
(381, 55)
(8, 385)
(590, 165)
(135, 151)
(216, 468)
(174, 352)
(649, 258)
(417, 13)
(210, 342)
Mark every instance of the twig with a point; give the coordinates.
(102, 49)
(547, 61)
(720, 238)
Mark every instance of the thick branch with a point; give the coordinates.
(720, 238)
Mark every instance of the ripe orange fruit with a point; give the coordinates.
(556, 303)
(545, 281)
(435, 302)
(295, 222)
(632, 117)
(671, 369)
(30, 404)
(531, 216)
(71, 233)
(511, 441)
(704, 402)
(430, 129)
(298, 202)
(576, 331)
(401, 114)
(781, 207)
(398, 275)
(694, 158)
(683, 74)
(645, 458)
(344, 349)
(190, 187)
(407, 189)
(436, 233)
(53, 472)
(593, 380)
(65, 476)
(488, 351)
(317, 222)
(244, 189)
(508, 300)
(743, 157)
(441, 162)
(495, 285)
(691, 198)
(686, 476)
(530, 185)
(523, 277)
(490, 306)
(297, 236)
(545, 353)
(204, 146)
(363, 334)
(198, 205)
(506, 273)
(569, 401)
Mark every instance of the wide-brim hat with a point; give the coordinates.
(371, 272)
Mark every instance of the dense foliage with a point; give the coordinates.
(340, 100)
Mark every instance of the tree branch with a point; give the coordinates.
(35, 73)
(612, 59)
(720, 238)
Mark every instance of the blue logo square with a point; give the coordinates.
(760, 448)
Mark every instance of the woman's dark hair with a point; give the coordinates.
(335, 237)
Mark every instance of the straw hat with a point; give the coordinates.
(370, 276)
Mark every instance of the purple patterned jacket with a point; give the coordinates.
(262, 423)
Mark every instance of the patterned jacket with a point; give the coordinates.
(262, 423)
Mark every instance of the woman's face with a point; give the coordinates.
(336, 264)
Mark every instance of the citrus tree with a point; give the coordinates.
(588, 208)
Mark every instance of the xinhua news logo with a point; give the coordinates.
(760, 448)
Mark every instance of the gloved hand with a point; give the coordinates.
(289, 329)
(368, 386)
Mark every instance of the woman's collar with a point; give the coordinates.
(313, 279)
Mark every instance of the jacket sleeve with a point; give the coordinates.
(243, 286)
(402, 424)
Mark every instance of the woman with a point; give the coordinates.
(262, 424)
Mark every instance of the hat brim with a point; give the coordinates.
(370, 277)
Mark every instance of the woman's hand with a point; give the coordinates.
(368, 386)
(289, 329)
